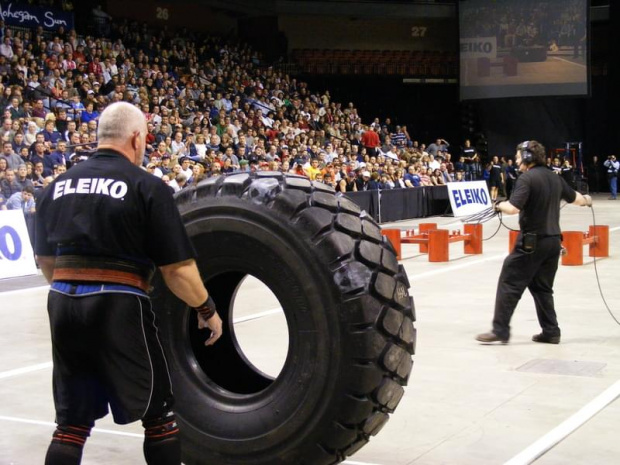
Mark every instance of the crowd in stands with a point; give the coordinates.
(212, 108)
(527, 23)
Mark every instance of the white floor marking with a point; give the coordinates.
(426, 274)
(255, 316)
(568, 61)
(349, 462)
(24, 370)
(563, 430)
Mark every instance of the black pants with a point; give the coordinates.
(534, 271)
(106, 352)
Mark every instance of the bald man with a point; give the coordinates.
(100, 229)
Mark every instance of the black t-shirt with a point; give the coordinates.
(109, 207)
(537, 194)
(469, 153)
(496, 171)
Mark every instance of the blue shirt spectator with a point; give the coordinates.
(411, 178)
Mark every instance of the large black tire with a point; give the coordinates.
(348, 311)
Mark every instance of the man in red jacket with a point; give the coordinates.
(370, 140)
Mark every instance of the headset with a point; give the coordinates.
(526, 153)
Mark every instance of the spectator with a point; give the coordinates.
(437, 178)
(440, 145)
(13, 160)
(471, 160)
(348, 183)
(445, 174)
(21, 177)
(613, 167)
(412, 178)
(49, 133)
(425, 179)
(6, 49)
(8, 185)
(364, 182)
(314, 169)
(3, 167)
(89, 114)
(22, 200)
(370, 141)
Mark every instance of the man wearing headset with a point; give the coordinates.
(534, 261)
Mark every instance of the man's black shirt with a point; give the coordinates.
(107, 206)
(537, 194)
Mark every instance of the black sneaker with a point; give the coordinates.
(488, 338)
(546, 339)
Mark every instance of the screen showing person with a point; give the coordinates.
(518, 48)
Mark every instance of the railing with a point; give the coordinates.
(401, 204)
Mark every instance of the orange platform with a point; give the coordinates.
(436, 242)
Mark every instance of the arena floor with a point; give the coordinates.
(555, 70)
(467, 404)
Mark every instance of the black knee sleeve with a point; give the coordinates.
(67, 445)
(161, 440)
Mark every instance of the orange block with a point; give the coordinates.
(512, 239)
(425, 228)
(394, 236)
(573, 243)
(473, 245)
(600, 247)
(438, 245)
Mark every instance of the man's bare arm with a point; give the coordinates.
(183, 279)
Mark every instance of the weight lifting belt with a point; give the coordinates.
(86, 268)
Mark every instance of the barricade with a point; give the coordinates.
(436, 242)
(394, 236)
(509, 65)
(597, 238)
(512, 239)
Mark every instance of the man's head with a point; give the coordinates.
(7, 148)
(123, 127)
(27, 193)
(530, 153)
(22, 171)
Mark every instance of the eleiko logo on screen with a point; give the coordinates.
(10, 244)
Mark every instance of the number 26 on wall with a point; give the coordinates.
(418, 31)
(162, 13)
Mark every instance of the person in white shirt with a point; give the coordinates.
(6, 49)
(186, 167)
(178, 146)
(201, 146)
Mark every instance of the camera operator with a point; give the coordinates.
(612, 166)
(533, 262)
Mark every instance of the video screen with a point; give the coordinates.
(522, 48)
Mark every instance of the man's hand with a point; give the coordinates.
(496, 206)
(208, 318)
(214, 324)
(588, 200)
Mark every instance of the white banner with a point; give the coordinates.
(16, 254)
(479, 47)
(468, 198)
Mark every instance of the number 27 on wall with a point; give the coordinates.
(418, 31)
